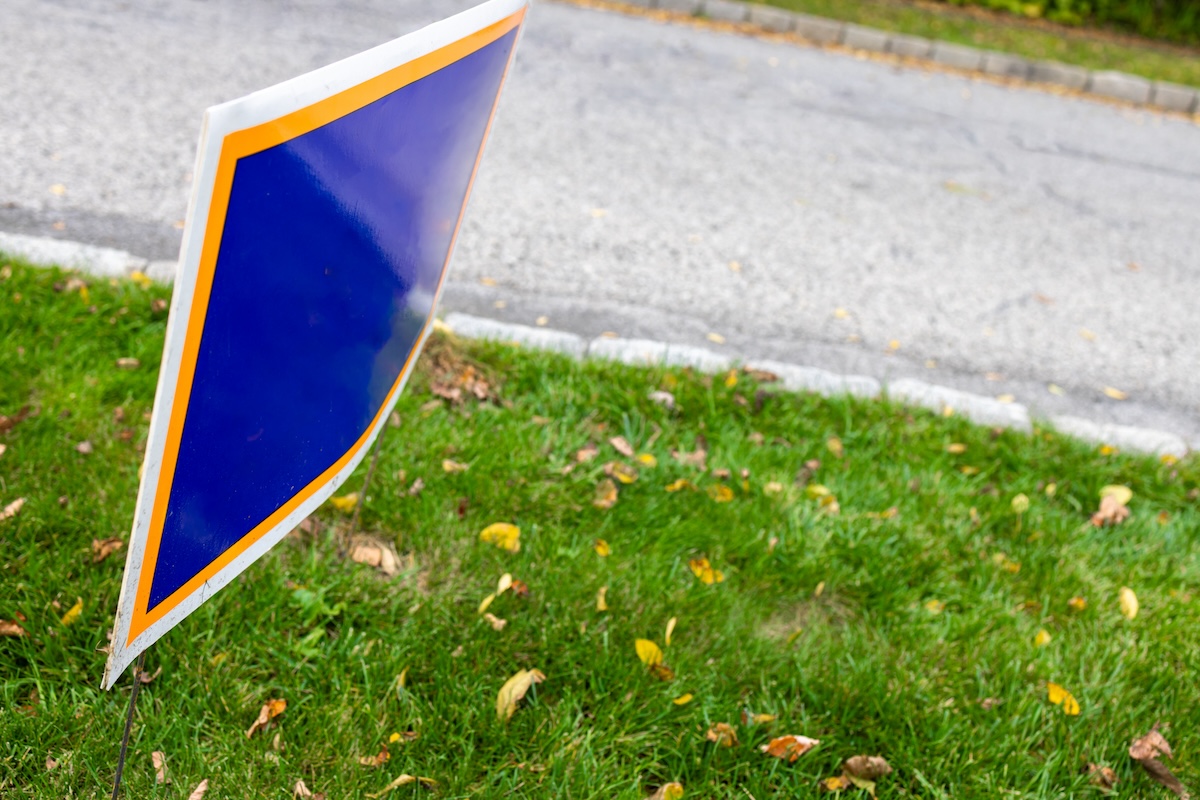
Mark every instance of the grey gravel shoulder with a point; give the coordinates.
(1103, 83)
(795, 377)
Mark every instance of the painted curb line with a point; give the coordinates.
(1108, 84)
(110, 263)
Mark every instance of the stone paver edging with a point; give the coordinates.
(977, 408)
(819, 30)
(110, 263)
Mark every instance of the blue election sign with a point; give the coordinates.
(321, 225)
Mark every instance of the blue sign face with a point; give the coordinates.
(315, 272)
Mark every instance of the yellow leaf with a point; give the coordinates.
(683, 699)
(1061, 697)
(680, 485)
(504, 535)
(723, 734)
(648, 460)
(504, 584)
(829, 505)
(270, 709)
(670, 629)
(894, 345)
(1006, 398)
(956, 448)
(1042, 639)
(601, 602)
(345, 503)
(395, 737)
(1051, 489)
(1115, 394)
(715, 338)
(1077, 604)
(514, 689)
(772, 488)
(731, 379)
(622, 472)
(486, 603)
(602, 548)
(835, 446)
(1129, 603)
(73, 613)
(789, 747)
(704, 571)
(648, 652)
(606, 494)
(450, 465)
(1122, 494)
(841, 313)
(141, 279)
(1020, 504)
(403, 780)
(1107, 450)
(935, 606)
(762, 719)
(836, 784)
(815, 490)
(668, 791)
(720, 493)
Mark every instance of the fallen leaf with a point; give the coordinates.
(1020, 504)
(670, 629)
(731, 379)
(1061, 697)
(680, 485)
(606, 494)
(1077, 604)
(403, 780)
(1107, 450)
(988, 703)
(760, 719)
(835, 446)
(836, 784)
(723, 734)
(128, 363)
(269, 711)
(647, 460)
(85, 447)
(58, 189)
(504, 535)
(668, 791)
(417, 485)
(1122, 494)
(486, 602)
(622, 446)
(683, 699)
(11, 628)
(586, 453)
(519, 588)
(12, 509)
(648, 652)
(1163, 518)
(601, 602)
(789, 747)
(375, 553)
(1113, 508)
(1115, 394)
(697, 458)
(1146, 749)
(103, 548)
(345, 503)
(496, 623)
(514, 690)
(704, 571)
(868, 768)
(451, 466)
(407, 736)
(602, 549)
(1129, 602)
(300, 791)
(504, 584)
(159, 759)
(51, 763)
(720, 493)
(772, 488)
(935, 606)
(622, 472)
(377, 760)
(662, 672)
(663, 398)
(1042, 639)
(1102, 777)
(715, 338)
(73, 613)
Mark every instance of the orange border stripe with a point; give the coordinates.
(235, 146)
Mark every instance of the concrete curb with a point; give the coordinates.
(794, 377)
(109, 263)
(1102, 83)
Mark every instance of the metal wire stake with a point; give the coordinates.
(137, 682)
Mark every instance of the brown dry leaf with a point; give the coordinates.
(7, 423)
(84, 448)
(622, 472)
(519, 588)
(270, 709)
(586, 453)
(704, 571)
(403, 780)
(198, 792)
(514, 689)
(504, 535)
(835, 446)
(51, 763)
(606, 494)
(662, 672)
(103, 548)
(622, 446)
(159, 759)
(300, 791)
(451, 466)
(377, 760)
(789, 747)
(1112, 512)
(10, 628)
(128, 363)
(868, 768)
(417, 485)
(1102, 777)
(723, 734)
(496, 623)
(697, 458)
(1146, 750)
(73, 612)
(144, 677)
(375, 553)
(668, 791)
(663, 398)
(12, 509)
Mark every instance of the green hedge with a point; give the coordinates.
(1172, 20)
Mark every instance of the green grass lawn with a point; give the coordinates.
(996, 31)
(907, 634)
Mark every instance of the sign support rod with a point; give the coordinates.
(137, 682)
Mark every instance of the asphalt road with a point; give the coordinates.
(667, 182)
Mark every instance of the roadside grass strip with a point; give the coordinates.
(590, 580)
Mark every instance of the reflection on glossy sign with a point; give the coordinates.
(324, 214)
